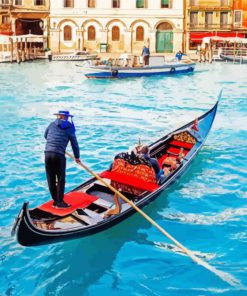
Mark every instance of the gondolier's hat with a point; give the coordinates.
(65, 113)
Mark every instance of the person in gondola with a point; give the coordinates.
(170, 163)
(145, 153)
(58, 134)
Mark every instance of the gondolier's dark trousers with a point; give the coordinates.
(55, 166)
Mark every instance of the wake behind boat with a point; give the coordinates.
(91, 200)
(157, 66)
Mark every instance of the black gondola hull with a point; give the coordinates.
(30, 235)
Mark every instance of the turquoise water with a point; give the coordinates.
(205, 210)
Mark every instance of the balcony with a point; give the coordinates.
(205, 5)
(209, 27)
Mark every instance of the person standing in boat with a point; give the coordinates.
(179, 55)
(145, 54)
(58, 134)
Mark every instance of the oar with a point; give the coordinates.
(223, 275)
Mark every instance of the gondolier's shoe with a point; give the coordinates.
(61, 205)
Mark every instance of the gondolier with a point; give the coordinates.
(58, 134)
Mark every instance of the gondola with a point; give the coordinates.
(92, 199)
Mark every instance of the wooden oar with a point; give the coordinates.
(223, 275)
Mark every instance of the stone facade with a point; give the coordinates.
(125, 29)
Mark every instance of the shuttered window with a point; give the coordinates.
(91, 4)
(91, 33)
(115, 33)
(68, 3)
(67, 33)
(116, 3)
(141, 3)
(139, 33)
(164, 3)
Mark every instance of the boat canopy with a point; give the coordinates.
(229, 39)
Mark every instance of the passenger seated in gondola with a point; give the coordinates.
(145, 153)
(132, 164)
(171, 163)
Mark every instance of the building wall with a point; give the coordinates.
(202, 7)
(241, 5)
(104, 18)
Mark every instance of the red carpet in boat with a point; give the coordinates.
(76, 199)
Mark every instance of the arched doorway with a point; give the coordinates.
(164, 38)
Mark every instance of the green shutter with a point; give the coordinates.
(140, 3)
(164, 2)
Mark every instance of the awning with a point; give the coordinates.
(198, 36)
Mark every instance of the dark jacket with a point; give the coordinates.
(58, 138)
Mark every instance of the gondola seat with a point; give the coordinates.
(133, 179)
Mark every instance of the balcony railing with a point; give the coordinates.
(219, 4)
(209, 27)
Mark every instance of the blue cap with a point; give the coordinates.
(65, 113)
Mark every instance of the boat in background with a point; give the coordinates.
(91, 200)
(234, 58)
(129, 67)
(76, 56)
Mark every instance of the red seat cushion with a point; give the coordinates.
(129, 180)
(175, 151)
(181, 144)
(75, 198)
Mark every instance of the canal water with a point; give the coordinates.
(205, 210)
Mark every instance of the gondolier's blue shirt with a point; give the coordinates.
(58, 138)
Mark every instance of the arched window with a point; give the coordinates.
(115, 33)
(139, 33)
(91, 33)
(67, 33)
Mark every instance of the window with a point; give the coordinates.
(208, 19)
(115, 33)
(5, 19)
(39, 2)
(193, 2)
(67, 33)
(68, 3)
(223, 19)
(141, 3)
(116, 3)
(193, 19)
(139, 33)
(91, 4)
(237, 17)
(224, 2)
(18, 2)
(91, 33)
(166, 3)
(4, 2)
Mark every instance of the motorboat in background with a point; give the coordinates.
(76, 56)
(128, 66)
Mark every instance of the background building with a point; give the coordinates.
(19, 17)
(122, 25)
(206, 18)
(240, 16)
